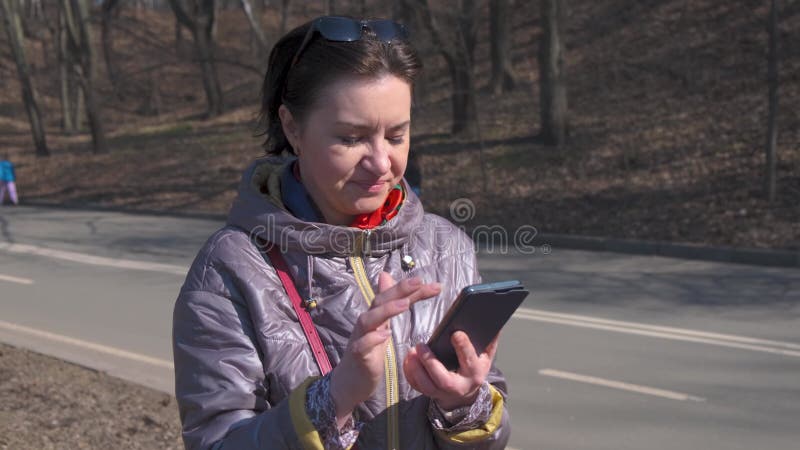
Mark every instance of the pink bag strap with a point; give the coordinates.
(297, 303)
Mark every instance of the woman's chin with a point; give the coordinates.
(363, 202)
(366, 206)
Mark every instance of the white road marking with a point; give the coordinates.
(686, 331)
(620, 385)
(14, 279)
(87, 345)
(94, 260)
(679, 334)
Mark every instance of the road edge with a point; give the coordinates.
(736, 255)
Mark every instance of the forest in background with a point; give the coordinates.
(663, 136)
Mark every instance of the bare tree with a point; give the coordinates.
(13, 26)
(770, 177)
(553, 89)
(178, 35)
(79, 43)
(65, 75)
(503, 79)
(146, 4)
(404, 13)
(255, 26)
(72, 98)
(457, 50)
(285, 4)
(108, 9)
(34, 8)
(198, 16)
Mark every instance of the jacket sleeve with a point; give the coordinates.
(492, 435)
(220, 384)
(495, 433)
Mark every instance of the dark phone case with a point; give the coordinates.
(481, 311)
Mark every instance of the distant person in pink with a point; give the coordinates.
(7, 181)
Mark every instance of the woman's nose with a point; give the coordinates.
(377, 161)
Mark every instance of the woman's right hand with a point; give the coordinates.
(357, 375)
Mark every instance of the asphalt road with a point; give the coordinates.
(609, 352)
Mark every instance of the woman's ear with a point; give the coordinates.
(291, 129)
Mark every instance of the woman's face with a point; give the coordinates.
(353, 146)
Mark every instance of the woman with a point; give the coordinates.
(7, 181)
(337, 100)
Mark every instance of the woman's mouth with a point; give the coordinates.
(372, 187)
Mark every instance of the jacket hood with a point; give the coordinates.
(259, 209)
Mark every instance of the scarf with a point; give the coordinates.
(296, 199)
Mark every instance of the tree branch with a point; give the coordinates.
(181, 14)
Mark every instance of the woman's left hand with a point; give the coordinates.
(451, 390)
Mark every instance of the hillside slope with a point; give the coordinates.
(667, 126)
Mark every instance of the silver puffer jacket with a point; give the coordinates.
(242, 362)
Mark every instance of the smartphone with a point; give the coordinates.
(481, 311)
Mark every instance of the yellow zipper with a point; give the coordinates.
(390, 361)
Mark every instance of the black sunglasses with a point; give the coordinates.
(345, 29)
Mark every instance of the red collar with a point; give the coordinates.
(383, 214)
(378, 217)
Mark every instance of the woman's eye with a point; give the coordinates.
(396, 140)
(349, 140)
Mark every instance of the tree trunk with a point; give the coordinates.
(93, 115)
(36, 11)
(255, 26)
(178, 37)
(457, 52)
(770, 178)
(76, 99)
(553, 90)
(154, 101)
(67, 123)
(285, 4)
(464, 104)
(463, 100)
(503, 79)
(203, 43)
(200, 20)
(64, 75)
(13, 26)
(108, 11)
(80, 43)
(467, 35)
(404, 13)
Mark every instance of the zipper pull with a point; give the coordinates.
(365, 249)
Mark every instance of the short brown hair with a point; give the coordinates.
(322, 63)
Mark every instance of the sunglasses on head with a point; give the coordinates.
(345, 29)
